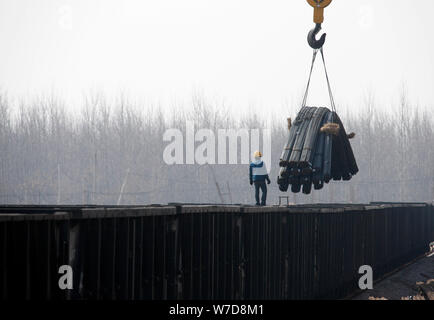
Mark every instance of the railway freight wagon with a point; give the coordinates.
(204, 252)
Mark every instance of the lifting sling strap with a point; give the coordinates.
(332, 101)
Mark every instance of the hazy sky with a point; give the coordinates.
(249, 52)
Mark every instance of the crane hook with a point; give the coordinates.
(311, 37)
(318, 18)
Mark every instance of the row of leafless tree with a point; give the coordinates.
(112, 153)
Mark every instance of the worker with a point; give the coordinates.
(258, 175)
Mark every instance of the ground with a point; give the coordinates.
(414, 282)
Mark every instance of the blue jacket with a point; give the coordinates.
(258, 171)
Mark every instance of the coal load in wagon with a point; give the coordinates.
(318, 151)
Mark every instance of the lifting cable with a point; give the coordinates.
(332, 101)
(318, 149)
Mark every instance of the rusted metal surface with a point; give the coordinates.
(206, 251)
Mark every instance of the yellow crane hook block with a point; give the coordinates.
(318, 12)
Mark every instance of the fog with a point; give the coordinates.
(245, 52)
(111, 152)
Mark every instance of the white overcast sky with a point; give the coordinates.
(247, 52)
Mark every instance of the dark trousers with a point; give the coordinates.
(261, 185)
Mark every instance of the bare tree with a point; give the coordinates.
(48, 155)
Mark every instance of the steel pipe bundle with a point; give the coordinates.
(314, 154)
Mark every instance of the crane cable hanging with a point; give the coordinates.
(332, 101)
(317, 45)
(318, 148)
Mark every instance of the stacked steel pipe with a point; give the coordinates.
(318, 150)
